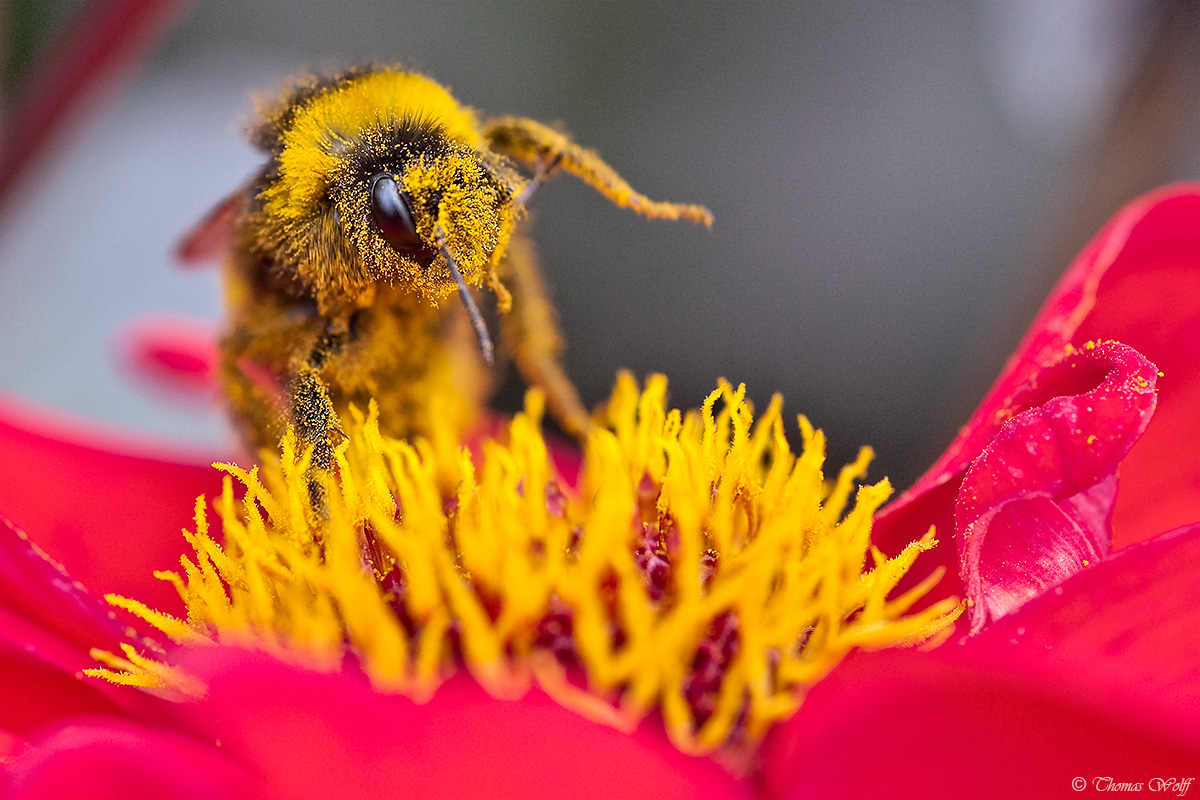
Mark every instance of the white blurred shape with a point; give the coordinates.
(1058, 66)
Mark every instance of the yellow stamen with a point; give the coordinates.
(701, 568)
(145, 673)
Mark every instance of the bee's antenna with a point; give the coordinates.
(481, 332)
(545, 170)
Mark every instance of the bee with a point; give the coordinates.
(353, 256)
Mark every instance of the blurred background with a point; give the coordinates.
(896, 185)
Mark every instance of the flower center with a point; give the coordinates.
(700, 570)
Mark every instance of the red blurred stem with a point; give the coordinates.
(105, 38)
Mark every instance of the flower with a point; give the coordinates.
(1078, 667)
(739, 584)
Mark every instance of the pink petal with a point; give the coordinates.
(114, 761)
(1097, 678)
(904, 726)
(48, 625)
(40, 681)
(109, 515)
(175, 354)
(1034, 507)
(462, 743)
(1120, 637)
(11, 746)
(1136, 282)
(36, 588)
(1149, 298)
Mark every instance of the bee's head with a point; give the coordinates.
(377, 177)
(395, 213)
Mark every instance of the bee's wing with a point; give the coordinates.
(212, 236)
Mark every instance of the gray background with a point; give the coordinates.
(891, 184)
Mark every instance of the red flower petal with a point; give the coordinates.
(1149, 298)
(175, 354)
(908, 727)
(116, 761)
(1136, 282)
(111, 517)
(1095, 679)
(1120, 637)
(40, 681)
(1034, 507)
(48, 625)
(41, 591)
(462, 743)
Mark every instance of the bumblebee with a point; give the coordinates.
(353, 256)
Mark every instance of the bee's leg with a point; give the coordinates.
(531, 330)
(314, 418)
(539, 145)
(312, 414)
(545, 168)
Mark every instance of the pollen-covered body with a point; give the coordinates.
(381, 199)
(415, 358)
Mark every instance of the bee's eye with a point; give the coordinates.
(389, 209)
